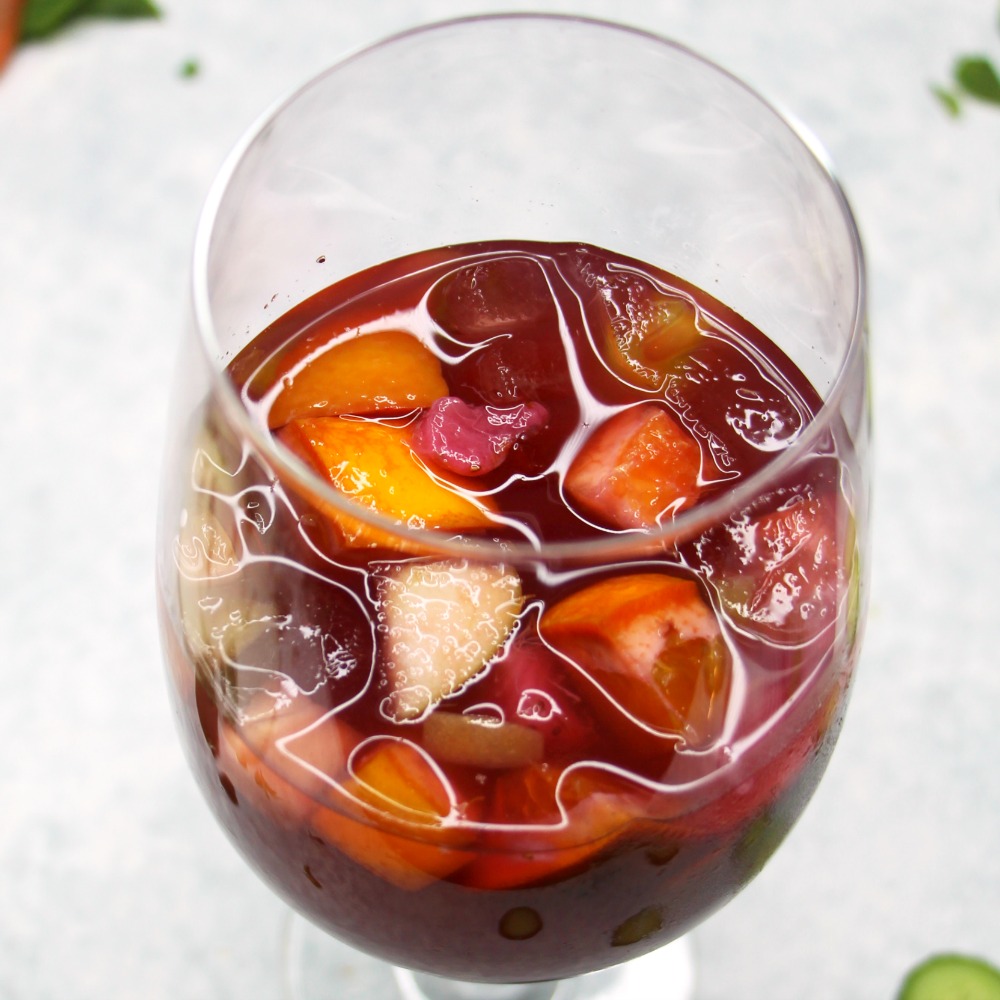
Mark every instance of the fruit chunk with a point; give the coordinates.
(481, 741)
(374, 466)
(442, 623)
(388, 371)
(951, 977)
(785, 575)
(653, 645)
(640, 328)
(492, 296)
(637, 469)
(567, 818)
(474, 440)
(646, 329)
(534, 687)
(282, 754)
(413, 827)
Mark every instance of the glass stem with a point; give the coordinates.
(421, 986)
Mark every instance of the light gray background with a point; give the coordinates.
(114, 880)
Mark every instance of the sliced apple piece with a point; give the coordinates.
(481, 741)
(442, 623)
(654, 645)
(374, 466)
(389, 371)
(637, 470)
(412, 828)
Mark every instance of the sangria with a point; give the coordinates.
(511, 591)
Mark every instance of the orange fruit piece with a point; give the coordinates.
(272, 756)
(638, 469)
(654, 646)
(374, 466)
(407, 832)
(389, 371)
(599, 808)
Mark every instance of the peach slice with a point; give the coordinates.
(637, 469)
(654, 645)
(374, 466)
(411, 832)
(389, 371)
(442, 623)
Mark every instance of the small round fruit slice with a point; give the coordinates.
(481, 741)
(952, 977)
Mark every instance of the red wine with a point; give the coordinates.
(511, 765)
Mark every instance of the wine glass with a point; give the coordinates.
(279, 594)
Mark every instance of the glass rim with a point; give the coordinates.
(616, 543)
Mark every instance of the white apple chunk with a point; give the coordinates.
(442, 623)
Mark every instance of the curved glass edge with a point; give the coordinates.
(689, 523)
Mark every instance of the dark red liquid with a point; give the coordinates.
(606, 750)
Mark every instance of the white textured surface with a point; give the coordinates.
(114, 881)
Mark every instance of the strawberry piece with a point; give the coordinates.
(442, 623)
(653, 645)
(385, 372)
(637, 469)
(473, 440)
(534, 687)
(413, 829)
(374, 466)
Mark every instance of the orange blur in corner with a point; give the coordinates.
(10, 27)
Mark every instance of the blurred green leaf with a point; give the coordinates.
(42, 18)
(948, 100)
(122, 8)
(977, 77)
